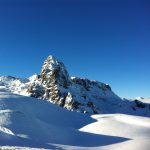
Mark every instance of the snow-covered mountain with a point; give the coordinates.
(30, 120)
(55, 85)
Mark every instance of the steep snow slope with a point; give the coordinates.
(28, 122)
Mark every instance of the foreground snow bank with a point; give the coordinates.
(27, 123)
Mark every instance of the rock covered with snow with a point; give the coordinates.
(72, 93)
(55, 85)
(55, 78)
(55, 71)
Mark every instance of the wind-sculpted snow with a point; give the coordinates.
(30, 122)
(27, 123)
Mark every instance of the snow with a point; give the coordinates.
(144, 100)
(33, 78)
(134, 120)
(136, 129)
(28, 123)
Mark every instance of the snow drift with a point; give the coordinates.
(31, 123)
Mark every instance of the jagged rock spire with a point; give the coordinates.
(78, 94)
(55, 71)
(55, 78)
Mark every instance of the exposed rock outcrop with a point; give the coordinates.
(71, 93)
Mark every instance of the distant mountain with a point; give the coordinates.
(55, 85)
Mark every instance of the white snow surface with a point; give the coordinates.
(144, 100)
(28, 123)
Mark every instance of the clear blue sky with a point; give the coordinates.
(105, 40)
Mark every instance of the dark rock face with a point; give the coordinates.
(139, 104)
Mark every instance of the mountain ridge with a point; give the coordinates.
(54, 84)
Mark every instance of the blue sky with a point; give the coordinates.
(102, 40)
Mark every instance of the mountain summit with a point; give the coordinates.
(54, 70)
(71, 93)
(55, 85)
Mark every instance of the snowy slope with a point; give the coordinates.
(31, 123)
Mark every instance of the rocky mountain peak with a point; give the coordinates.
(55, 79)
(71, 93)
(55, 71)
